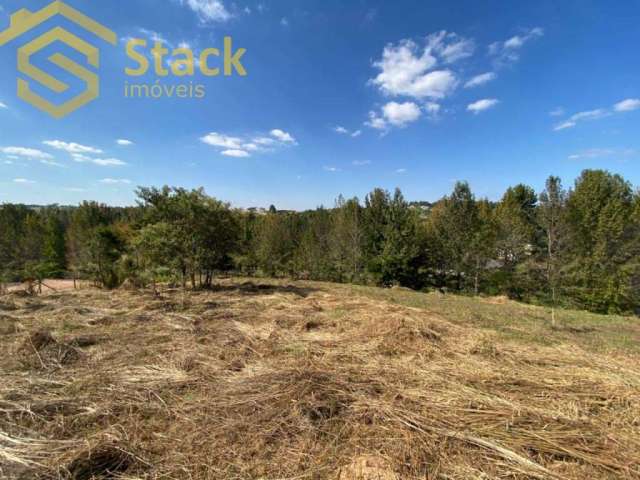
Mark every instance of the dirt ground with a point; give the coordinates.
(302, 380)
(49, 286)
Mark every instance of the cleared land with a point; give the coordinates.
(273, 380)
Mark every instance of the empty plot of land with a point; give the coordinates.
(275, 380)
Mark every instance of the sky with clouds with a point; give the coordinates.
(339, 97)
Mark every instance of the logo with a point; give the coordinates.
(23, 21)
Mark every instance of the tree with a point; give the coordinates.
(204, 231)
(551, 219)
(459, 228)
(54, 246)
(391, 239)
(517, 239)
(12, 226)
(483, 244)
(462, 241)
(276, 243)
(601, 231)
(347, 239)
(158, 250)
(313, 257)
(105, 249)
(85, 220)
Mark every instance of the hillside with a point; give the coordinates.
(278, 379)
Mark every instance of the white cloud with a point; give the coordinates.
(404, 71)
(284, 22)
(71, 147)
(375, 121)
(282, 136)
(508, 51)
(264, 141)
(235, 153)
(23, 181)
(564, 125)
(3, 105)
(602, 152)
(401, 171)
(627, 105)
(482, 105)
(480, 80)
(103, 162)
(557, 112)
(438, 84)
(124, 143)
(52, 163)
(26, 152)
(400, 114)
(220, 140)
(432, 109)
(115, 181)
(589, 115)
(331, 169)
(239, 147)
(345, 131)
(108, 162)
(450, 46)
(573, 120)
(208, 10)
(152, 35)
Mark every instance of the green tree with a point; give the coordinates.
(84, 221)
(158, 251)
(12, 226)
(276, 243)
(391, 240)
(204, 230)
(347, 240)
(483, 244)
(461, 243)
(600, 210)
(517, 239)
(54, 246)
(551, 215)
(105, 248)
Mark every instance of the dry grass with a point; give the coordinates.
(295, 380)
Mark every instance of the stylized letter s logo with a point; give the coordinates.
(23, 21)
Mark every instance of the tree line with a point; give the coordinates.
(577, 247)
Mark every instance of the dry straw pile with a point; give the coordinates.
(293, 381)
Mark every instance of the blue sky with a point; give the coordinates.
(340, 97)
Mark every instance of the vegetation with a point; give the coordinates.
(577, 248)
(282, 379)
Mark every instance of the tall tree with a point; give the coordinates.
(455, 230)
(54, 245)
(599, 212)
(483, 244)
(517, 237)
(551, 218)
(348, 239)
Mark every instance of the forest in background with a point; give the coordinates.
(577, 247)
